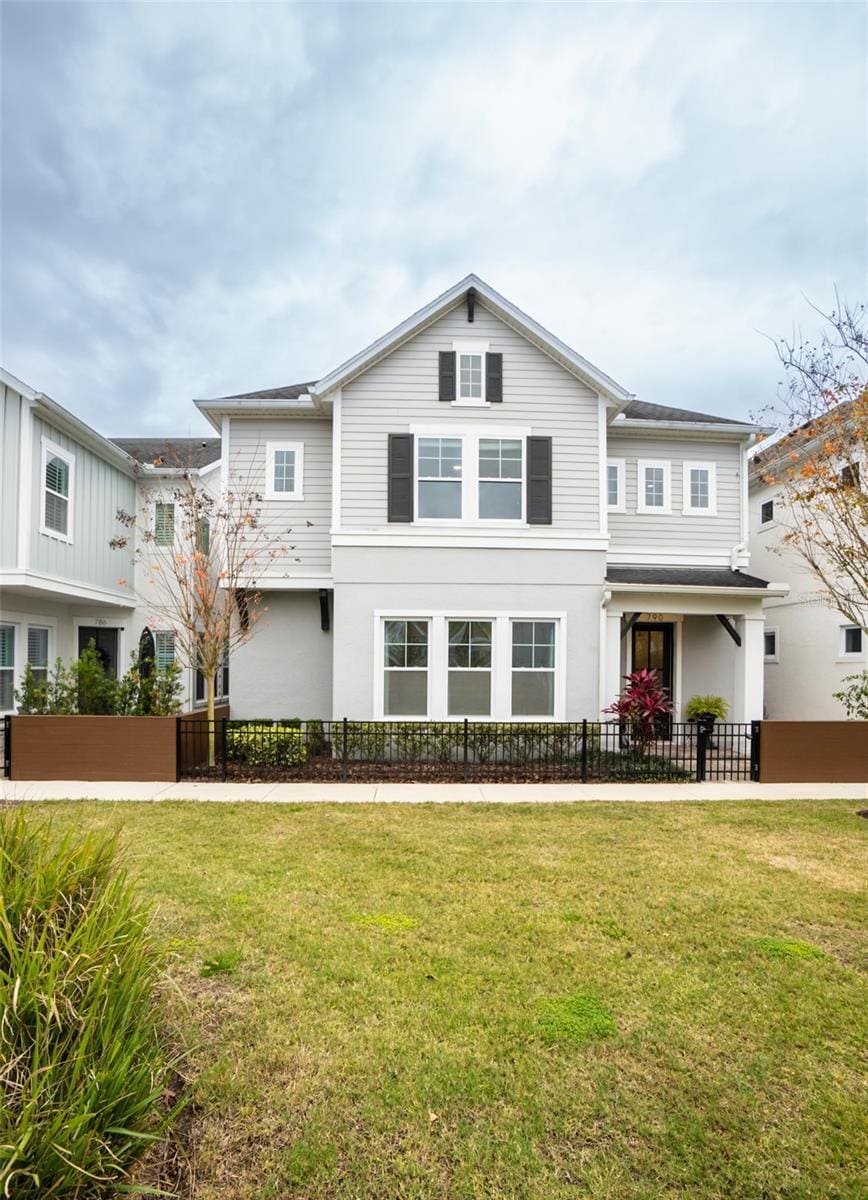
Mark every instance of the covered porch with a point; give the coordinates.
(700, 628)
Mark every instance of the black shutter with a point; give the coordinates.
(539, 481)
(494, 378)
(401, 477)
(447, 375)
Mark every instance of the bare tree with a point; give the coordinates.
(820, 460)
(201, 554)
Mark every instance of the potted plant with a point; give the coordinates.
(705, 710)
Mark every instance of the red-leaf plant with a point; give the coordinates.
(642, 704)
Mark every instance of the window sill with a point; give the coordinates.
(699, 512)
(284, 495)
(470, 404)
(58, 537)
(616, 508)
(654, 512)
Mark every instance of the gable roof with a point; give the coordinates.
(573, 362)
(171, 452)
(290, 391)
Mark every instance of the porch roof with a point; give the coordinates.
(684, 577)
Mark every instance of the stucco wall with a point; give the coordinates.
(285, 670)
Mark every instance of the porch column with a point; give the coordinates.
(749, 670)
(610, 654)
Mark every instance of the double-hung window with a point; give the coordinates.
(440, 478)
(405, 667)
(469, 669)
(164, 523)
(37, 652)
(284, 470)
(654, 486)
(533, 668)
(58, 471)
(501, 479)
(7, 667)
(700, 485)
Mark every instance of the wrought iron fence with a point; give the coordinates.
(465, 751)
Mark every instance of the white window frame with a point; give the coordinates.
(688, 509)
(620, 464)
(383, 668)
(763, 524)
(15, 669)
(844, 654)
(51, 449)
(642, 465)
(174, 506)
(298, 489)
(776, 657)
(532, 670)
(438, 658)
(470, 436)
(469, 347)
(20, 623)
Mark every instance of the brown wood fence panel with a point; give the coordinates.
(98, 748)
(814, 752)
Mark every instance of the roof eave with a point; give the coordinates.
(213, 410)
(741, 432)
(699, 589)
(501, 307)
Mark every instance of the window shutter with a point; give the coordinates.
(401, 477)
(494, 378)
(447, 375)
(539, 480)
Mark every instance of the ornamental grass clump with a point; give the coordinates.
(82, 1059)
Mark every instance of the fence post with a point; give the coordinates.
(701, 750)
(465, 749)
(178, 756)
(7, 746)
(344, 757)
(224, 753)
(755, 740)
(584, 750)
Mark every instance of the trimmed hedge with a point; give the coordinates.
(264, 744)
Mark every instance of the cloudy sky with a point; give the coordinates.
(201, 198)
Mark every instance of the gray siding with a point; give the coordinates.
(402, 390)
(100, 489)
(10, 430)
(302, 524)
(677, 533)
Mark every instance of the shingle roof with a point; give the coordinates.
(717, 577)
(171, 452)
(290, 391)
(640, 410)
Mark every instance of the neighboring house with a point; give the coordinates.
(809, 647)
(61, 583)
(480, 523)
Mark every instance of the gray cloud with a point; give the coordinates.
(203, 198)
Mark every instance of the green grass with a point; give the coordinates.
(445, 1002)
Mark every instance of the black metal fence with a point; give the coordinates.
(465, 751)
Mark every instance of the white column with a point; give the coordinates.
(610, 657)
(749, 669)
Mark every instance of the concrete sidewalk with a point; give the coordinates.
(421, 793)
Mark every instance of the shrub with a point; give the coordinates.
(698, 707)
(637, 767)
(366, 740)
(82, 687)
(264, 744)
(854, 697)
(82, 1063)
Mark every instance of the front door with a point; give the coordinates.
(653, 650)
(106, 641)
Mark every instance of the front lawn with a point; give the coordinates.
(439, 1002)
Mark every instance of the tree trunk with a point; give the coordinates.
(209, 685)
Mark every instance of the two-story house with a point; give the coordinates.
(61, 583)
(809, 647)
(481, 523)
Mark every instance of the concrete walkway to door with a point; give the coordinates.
(422, 793)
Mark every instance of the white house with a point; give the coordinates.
(61, 583)
(484, 524)
(809, 647)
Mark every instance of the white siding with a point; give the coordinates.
(302, 526)
(676, 533)
(403, 389)
(99, 490)
(10, 427)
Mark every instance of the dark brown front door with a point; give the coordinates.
(653, 650)
(106, 643)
